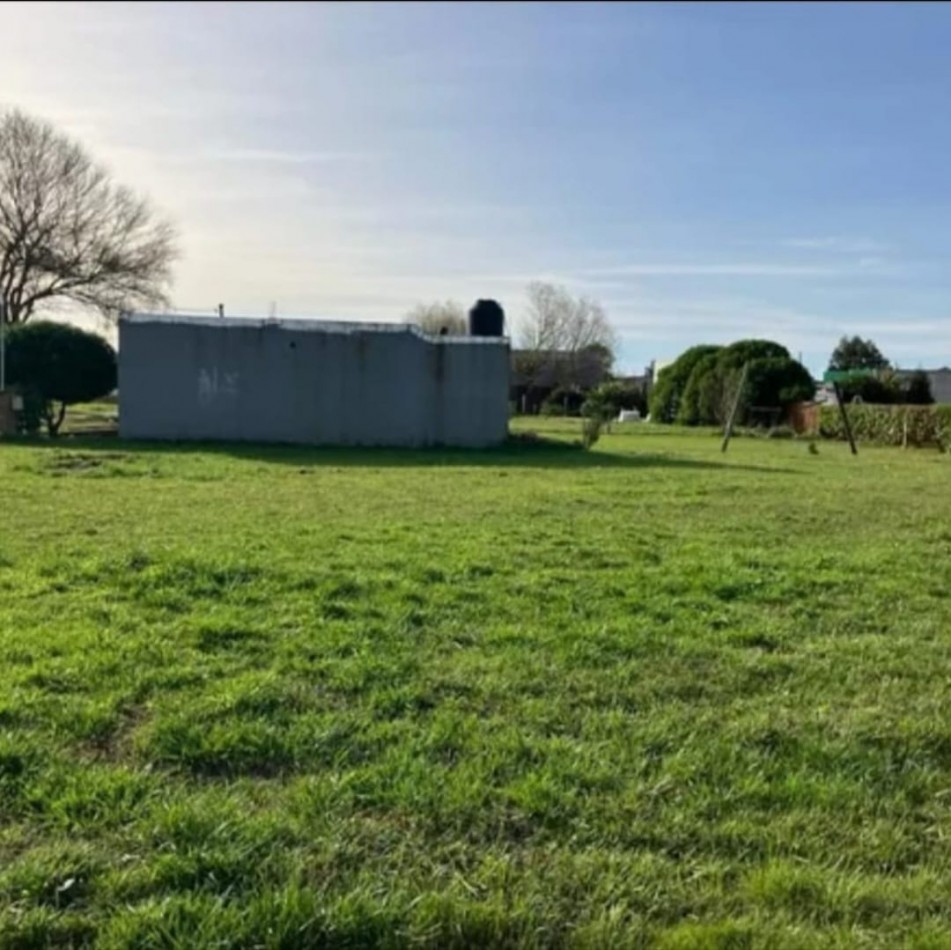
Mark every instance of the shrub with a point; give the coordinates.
(567, 401)
(56, 363)
(591, 431)
(890, 425)
(881, 390)
(607, 400)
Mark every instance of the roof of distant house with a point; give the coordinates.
(588, 367)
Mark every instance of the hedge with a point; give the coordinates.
(890, 425)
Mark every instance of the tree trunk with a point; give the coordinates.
(54, 420)
(14, 313)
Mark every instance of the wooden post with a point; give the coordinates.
(735, 409)
(845, 417)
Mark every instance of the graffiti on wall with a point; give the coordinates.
(212, 385)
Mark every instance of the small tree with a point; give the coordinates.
(435, 317)
(58, 365)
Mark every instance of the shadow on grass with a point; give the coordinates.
(516, 453)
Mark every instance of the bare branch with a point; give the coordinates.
(563, 339)
(67, 232)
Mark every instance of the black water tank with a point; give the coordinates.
(486, 318)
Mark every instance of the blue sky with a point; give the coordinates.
(706, 171)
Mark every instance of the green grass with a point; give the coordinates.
(92, 418)
(647, 696)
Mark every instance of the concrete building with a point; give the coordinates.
(308, 381)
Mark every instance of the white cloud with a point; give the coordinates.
(842, 245)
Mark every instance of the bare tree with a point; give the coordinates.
(563, 337)
(68, 233)
(434, 317)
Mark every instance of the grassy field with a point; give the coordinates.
(647, 696)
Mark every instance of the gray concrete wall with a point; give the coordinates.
(309, 382)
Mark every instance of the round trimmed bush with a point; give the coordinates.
(58, 365)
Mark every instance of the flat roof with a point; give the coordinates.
(305, 324)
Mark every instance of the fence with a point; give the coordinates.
(804, 417)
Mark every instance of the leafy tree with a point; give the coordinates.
(773, 379)
(56, 363)
(434, 317)
(736, 355)
(68, 233)
(856, 353)
(672, 380)
(918, 389)
(704, 396)
(710, 390)
(778, 381)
